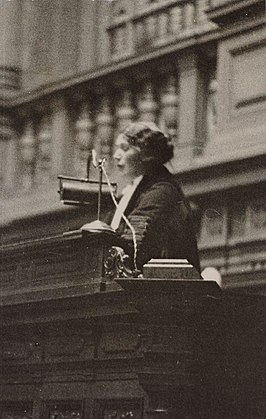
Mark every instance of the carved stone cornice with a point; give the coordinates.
(228, 174)
(227, 11)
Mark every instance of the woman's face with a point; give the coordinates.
(127, 158)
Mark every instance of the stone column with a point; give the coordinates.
(105, 131)
(169, 106)
(63, 137)
(88, 35)
(190, 110)
(83, 139)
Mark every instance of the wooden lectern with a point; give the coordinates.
(82, 338)
(78, 343)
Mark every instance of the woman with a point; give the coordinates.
(153, 203)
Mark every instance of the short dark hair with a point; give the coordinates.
(152, 142)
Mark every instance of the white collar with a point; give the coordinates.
(127, 193)
(137, 180)
(133, 185)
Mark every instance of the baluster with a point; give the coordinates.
(162, 24)
(147, 105)
(202, 6)
(140, 33)
(44, 155)
(189, 16)
(175, 19)
(212, 107)
(125, 112)
(169, 106)
(112, 41)
(84, 126)
(104, 138)
(28, 154)
(120, 40)
(151, 27)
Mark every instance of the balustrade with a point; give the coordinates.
(132, 27)
(91, 127)
(56, 138)
(211, 117)
(154, 23)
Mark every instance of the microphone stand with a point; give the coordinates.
(98, 226)
(116, 261)
(100, 164)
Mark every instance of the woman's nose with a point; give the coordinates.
(117, 154)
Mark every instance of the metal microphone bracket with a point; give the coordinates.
(83, 191)
(99, 226)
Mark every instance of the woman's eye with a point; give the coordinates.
(125, 147)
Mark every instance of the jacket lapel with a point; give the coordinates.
(141, 188)
(155, 174)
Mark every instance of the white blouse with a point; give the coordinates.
(123, 203)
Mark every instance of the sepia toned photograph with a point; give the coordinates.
(132, 209)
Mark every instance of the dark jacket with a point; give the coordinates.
(161, 217)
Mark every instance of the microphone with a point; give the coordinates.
(98, 226)
(83, 191)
